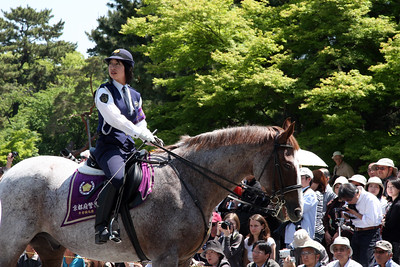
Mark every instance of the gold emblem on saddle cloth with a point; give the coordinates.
(86, 187)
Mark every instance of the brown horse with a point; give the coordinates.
(170, 226)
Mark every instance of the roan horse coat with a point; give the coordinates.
(169, 225)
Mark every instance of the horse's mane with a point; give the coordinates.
(252, 135)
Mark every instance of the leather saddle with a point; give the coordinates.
(133, 176)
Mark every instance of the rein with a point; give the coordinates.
(277, 198)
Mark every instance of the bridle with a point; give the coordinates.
(277, 199)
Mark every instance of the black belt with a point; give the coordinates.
(367, 228)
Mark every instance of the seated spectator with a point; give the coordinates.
(10, 158)
(29, 258)
(310, 255)
(375, 187)
(231, 240)
(391, 229)
(383, 254)
(259, 230)
(262, 255)
(214, 254)
(371, 170)
(358, 180)
(216, 218)
(310, 203)
(300, 238)
(342, 252)
(341, 168)
(320, 183)
(72, 260)
(385, 170)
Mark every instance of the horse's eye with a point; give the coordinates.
(288, 166)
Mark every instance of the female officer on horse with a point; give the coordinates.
(120, 118)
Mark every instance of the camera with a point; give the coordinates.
(15, 154)
(284, 253)
(226, 224)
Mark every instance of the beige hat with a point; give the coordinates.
(306, 171)
(375, 180)
(387, 162)
(359, 179)
(340, 240)
(337, 153)
(383, 244)
(341, 180)
(301, 239)
(312, 244)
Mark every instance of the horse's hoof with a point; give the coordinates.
(102, 237)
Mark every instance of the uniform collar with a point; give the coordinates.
(118, 85)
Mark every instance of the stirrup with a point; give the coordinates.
(115, 235)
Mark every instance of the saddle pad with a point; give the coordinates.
(83, 193)
(81, 197)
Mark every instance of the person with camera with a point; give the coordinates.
(365, 212)
(310, 255)
(259, 231)
(333, 218)
(231, 240)
(121, 117)
(262, 255)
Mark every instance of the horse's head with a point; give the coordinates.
(277, 170)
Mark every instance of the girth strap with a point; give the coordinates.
(130, 230)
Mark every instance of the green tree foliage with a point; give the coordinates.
(256, 62)
(220, 68)
(331, 65)
(46, 86)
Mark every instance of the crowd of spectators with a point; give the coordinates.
(348, 220)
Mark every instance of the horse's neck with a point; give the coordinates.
(232, 164)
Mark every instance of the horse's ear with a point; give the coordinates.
(289, 130)
(287, 123)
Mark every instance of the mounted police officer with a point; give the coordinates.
(120, 118)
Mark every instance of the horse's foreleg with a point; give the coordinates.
(165, 261)
(50, 251)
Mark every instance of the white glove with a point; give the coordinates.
(147, 136)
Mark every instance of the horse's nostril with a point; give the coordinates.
(297, 212)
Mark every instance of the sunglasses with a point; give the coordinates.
(380, 168)
(380, 251)
(307, 253)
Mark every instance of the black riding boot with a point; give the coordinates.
(106, 204)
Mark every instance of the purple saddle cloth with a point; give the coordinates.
(85, 187)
